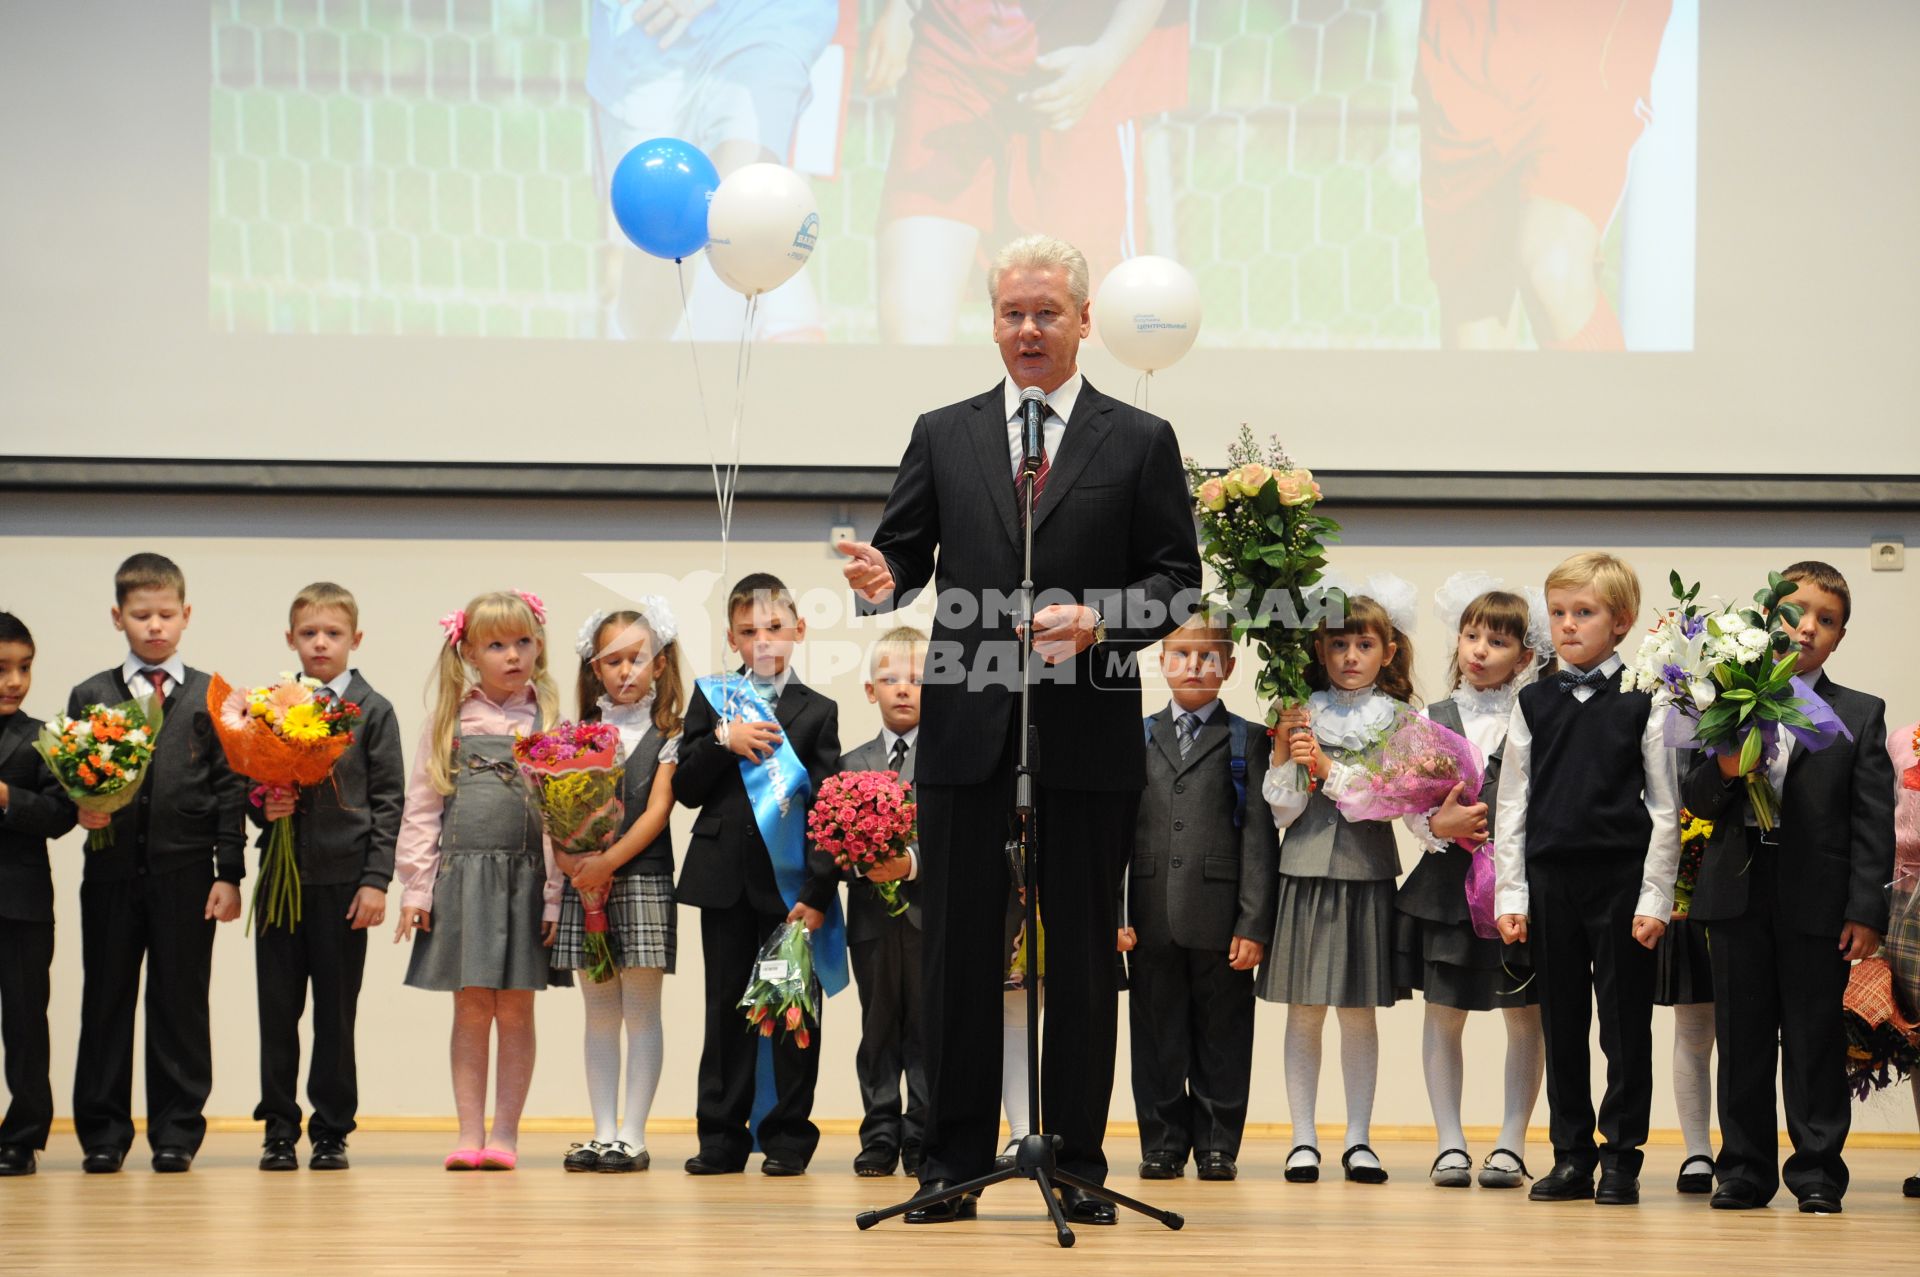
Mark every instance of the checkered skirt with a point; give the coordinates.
(640, 924)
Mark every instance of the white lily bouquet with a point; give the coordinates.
(1727, 680)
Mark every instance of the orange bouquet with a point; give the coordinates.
(285, 735)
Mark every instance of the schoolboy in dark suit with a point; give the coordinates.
(33, 808)
(1788, 911)
(344, 833)
(1200, 901)
(728, 874)
(153, 896)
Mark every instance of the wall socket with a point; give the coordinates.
(839, 532)
(1888, 556)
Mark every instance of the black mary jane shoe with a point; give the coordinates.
(1736, 1194)
(1216, 1166)
(947, 1212)
(329, 1155)
(1695, 1182)
(17, 1159)
(582, 1158)
(1082, 1207)
(620, 1157)
(1162, 1164)
(1362, 1174)
(1303, 1174)
(1492, 1176)
(277, 1155)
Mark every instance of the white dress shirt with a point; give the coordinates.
(1661, 795)
(1060, 411)
(887, 739)
(339, 685)
(176, 670)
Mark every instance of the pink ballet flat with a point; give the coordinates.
(463, 1159)
(497, 1159)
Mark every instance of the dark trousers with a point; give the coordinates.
(26, 961)
(1086, 839)
(730, 941)
(1777, 998)
(159, 919)
(887, 970)
(1191, 1025)
(328, 954)
(1585, 956)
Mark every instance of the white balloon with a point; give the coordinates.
(1147, 311)
(761, 227)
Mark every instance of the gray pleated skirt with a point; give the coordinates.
(1332, 944)
(487, 915)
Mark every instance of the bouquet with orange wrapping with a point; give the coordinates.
(284, 735)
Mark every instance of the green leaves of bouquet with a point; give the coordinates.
(1756, 691)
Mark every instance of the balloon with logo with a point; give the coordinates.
(762, 228)
(660, 191)
(1147, 312)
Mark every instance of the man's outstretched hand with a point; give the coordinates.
(866, 570)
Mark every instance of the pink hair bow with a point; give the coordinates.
(455, 625)
(533, 602)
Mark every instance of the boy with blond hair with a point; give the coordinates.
(1587, 843)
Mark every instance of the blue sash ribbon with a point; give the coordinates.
(778, 790)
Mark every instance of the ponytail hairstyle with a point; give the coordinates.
(619, 629)
(487, 617)
(1503, 613)
(1363, 615)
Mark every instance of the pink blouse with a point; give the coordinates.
(1906, 808)
(417, 856)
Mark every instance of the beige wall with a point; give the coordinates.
(411, 561)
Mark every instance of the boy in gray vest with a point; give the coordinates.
(1200, 904)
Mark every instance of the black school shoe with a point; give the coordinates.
(1823, 1200)
(1564, 1183)
(1696, 1182)
(1216, 1166)
(581, 1158)
(947, 1212)
(328, 1155)
(1303, 1174)
(275, 1155)
(911, 1155)
(1162, 1164)
(1910, 1187)
(876, 1162)
(620, 1157)
(17, 1159)
(1617, 1188)
(172, 1161)
(1737, 1194)
(1362, 1174)
(103, 1161)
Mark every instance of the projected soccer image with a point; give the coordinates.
(1366, 174)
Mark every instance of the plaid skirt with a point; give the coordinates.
(641, 924)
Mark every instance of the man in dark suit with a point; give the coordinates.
(1115, 566)
(728, 874)
(884, 946)
(1200, 907)
(33, 808)
(1788, 911)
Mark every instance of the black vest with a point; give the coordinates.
(637, 787)
(1587, 779)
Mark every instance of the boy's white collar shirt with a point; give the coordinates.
(1204, 713)
(176, 671)
(888, 736)
(1052, 428)
(339, 685)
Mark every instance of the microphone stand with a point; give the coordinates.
(1038, 1156)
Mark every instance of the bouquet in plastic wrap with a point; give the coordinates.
(100, 758)
(865, 820)
(1726, 679)
(1263, 537)
(282, 736)
(784, 994)
(576, 771)
(1694, 835)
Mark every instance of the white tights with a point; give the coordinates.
(1359, 1071)
(1693, 1075)
(633, 1000)
(1443, 1061)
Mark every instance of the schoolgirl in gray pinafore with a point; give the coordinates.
(489, 895)
(1333, 927)
(1435, 947)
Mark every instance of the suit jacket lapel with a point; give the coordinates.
(1212, 736)
(790, 704)
(1082, 439)
(13, 735)
(1163, 736)
(989, 431)
(1796, 755)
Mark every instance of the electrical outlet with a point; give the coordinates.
(1888, 556)
(839, 532)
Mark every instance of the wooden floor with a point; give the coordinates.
(396, 1211)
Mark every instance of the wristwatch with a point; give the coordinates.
(1099, 626)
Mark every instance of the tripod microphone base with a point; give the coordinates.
(1038, 1160)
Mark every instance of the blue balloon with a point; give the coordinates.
(660, 195)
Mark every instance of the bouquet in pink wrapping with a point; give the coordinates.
(577, 770)
(865, 820)
(1412, 769)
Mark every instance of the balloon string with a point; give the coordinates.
(1142, 390)
(706, 420)
(743, 370)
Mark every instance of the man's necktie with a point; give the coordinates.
(1184, 728)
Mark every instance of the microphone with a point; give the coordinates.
(1033, 412)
